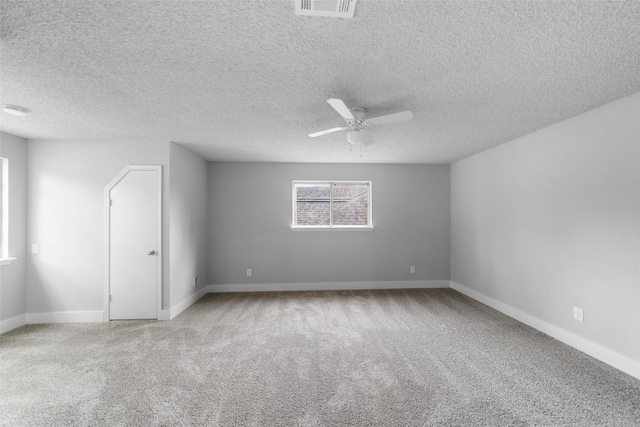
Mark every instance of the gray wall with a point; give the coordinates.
(250, 219)
(188, 223)
(13, 295)
(66, 218)
(552, 220)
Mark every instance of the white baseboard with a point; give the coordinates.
(89, 316)
(66, 317)
(186, 303)
(618, 361)
(327, 286)
(12, 323)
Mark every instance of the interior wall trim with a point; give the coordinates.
(327, 286)
(66, 317)
(12, 323)
(610, 357)
(186, 303)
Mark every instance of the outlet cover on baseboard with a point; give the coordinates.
(578, 314)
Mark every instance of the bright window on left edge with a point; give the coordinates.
(4, 208)
(332, 204)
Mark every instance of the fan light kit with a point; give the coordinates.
(357, 136)
(15, 110)
(356, 122)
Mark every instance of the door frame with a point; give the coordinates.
(107, 235)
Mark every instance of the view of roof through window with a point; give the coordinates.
(332, 204)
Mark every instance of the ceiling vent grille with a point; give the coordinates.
(330, 8)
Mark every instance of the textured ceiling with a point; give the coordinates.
(248, 80)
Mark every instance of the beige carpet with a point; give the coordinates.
(427, 357)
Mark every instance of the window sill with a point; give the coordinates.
(7, 261)
(332, 228)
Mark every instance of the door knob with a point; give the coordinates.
(151, 253)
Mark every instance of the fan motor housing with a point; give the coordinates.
(358, 114)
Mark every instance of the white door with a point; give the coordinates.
(134, 251)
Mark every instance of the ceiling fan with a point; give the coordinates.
(356, 122)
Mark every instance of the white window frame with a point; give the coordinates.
(4, 213)
(331, 226)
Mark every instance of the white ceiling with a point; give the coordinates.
(248, 80)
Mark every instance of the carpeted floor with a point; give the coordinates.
(429, 357)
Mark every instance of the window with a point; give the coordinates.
(4, 211)
(332, 204)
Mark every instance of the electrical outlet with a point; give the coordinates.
(248, 272)
(35, 248)
(578, 314)
(413, 269)
(195, 281)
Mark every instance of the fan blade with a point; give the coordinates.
(404, 116)
(341, 108)
(324, 132)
